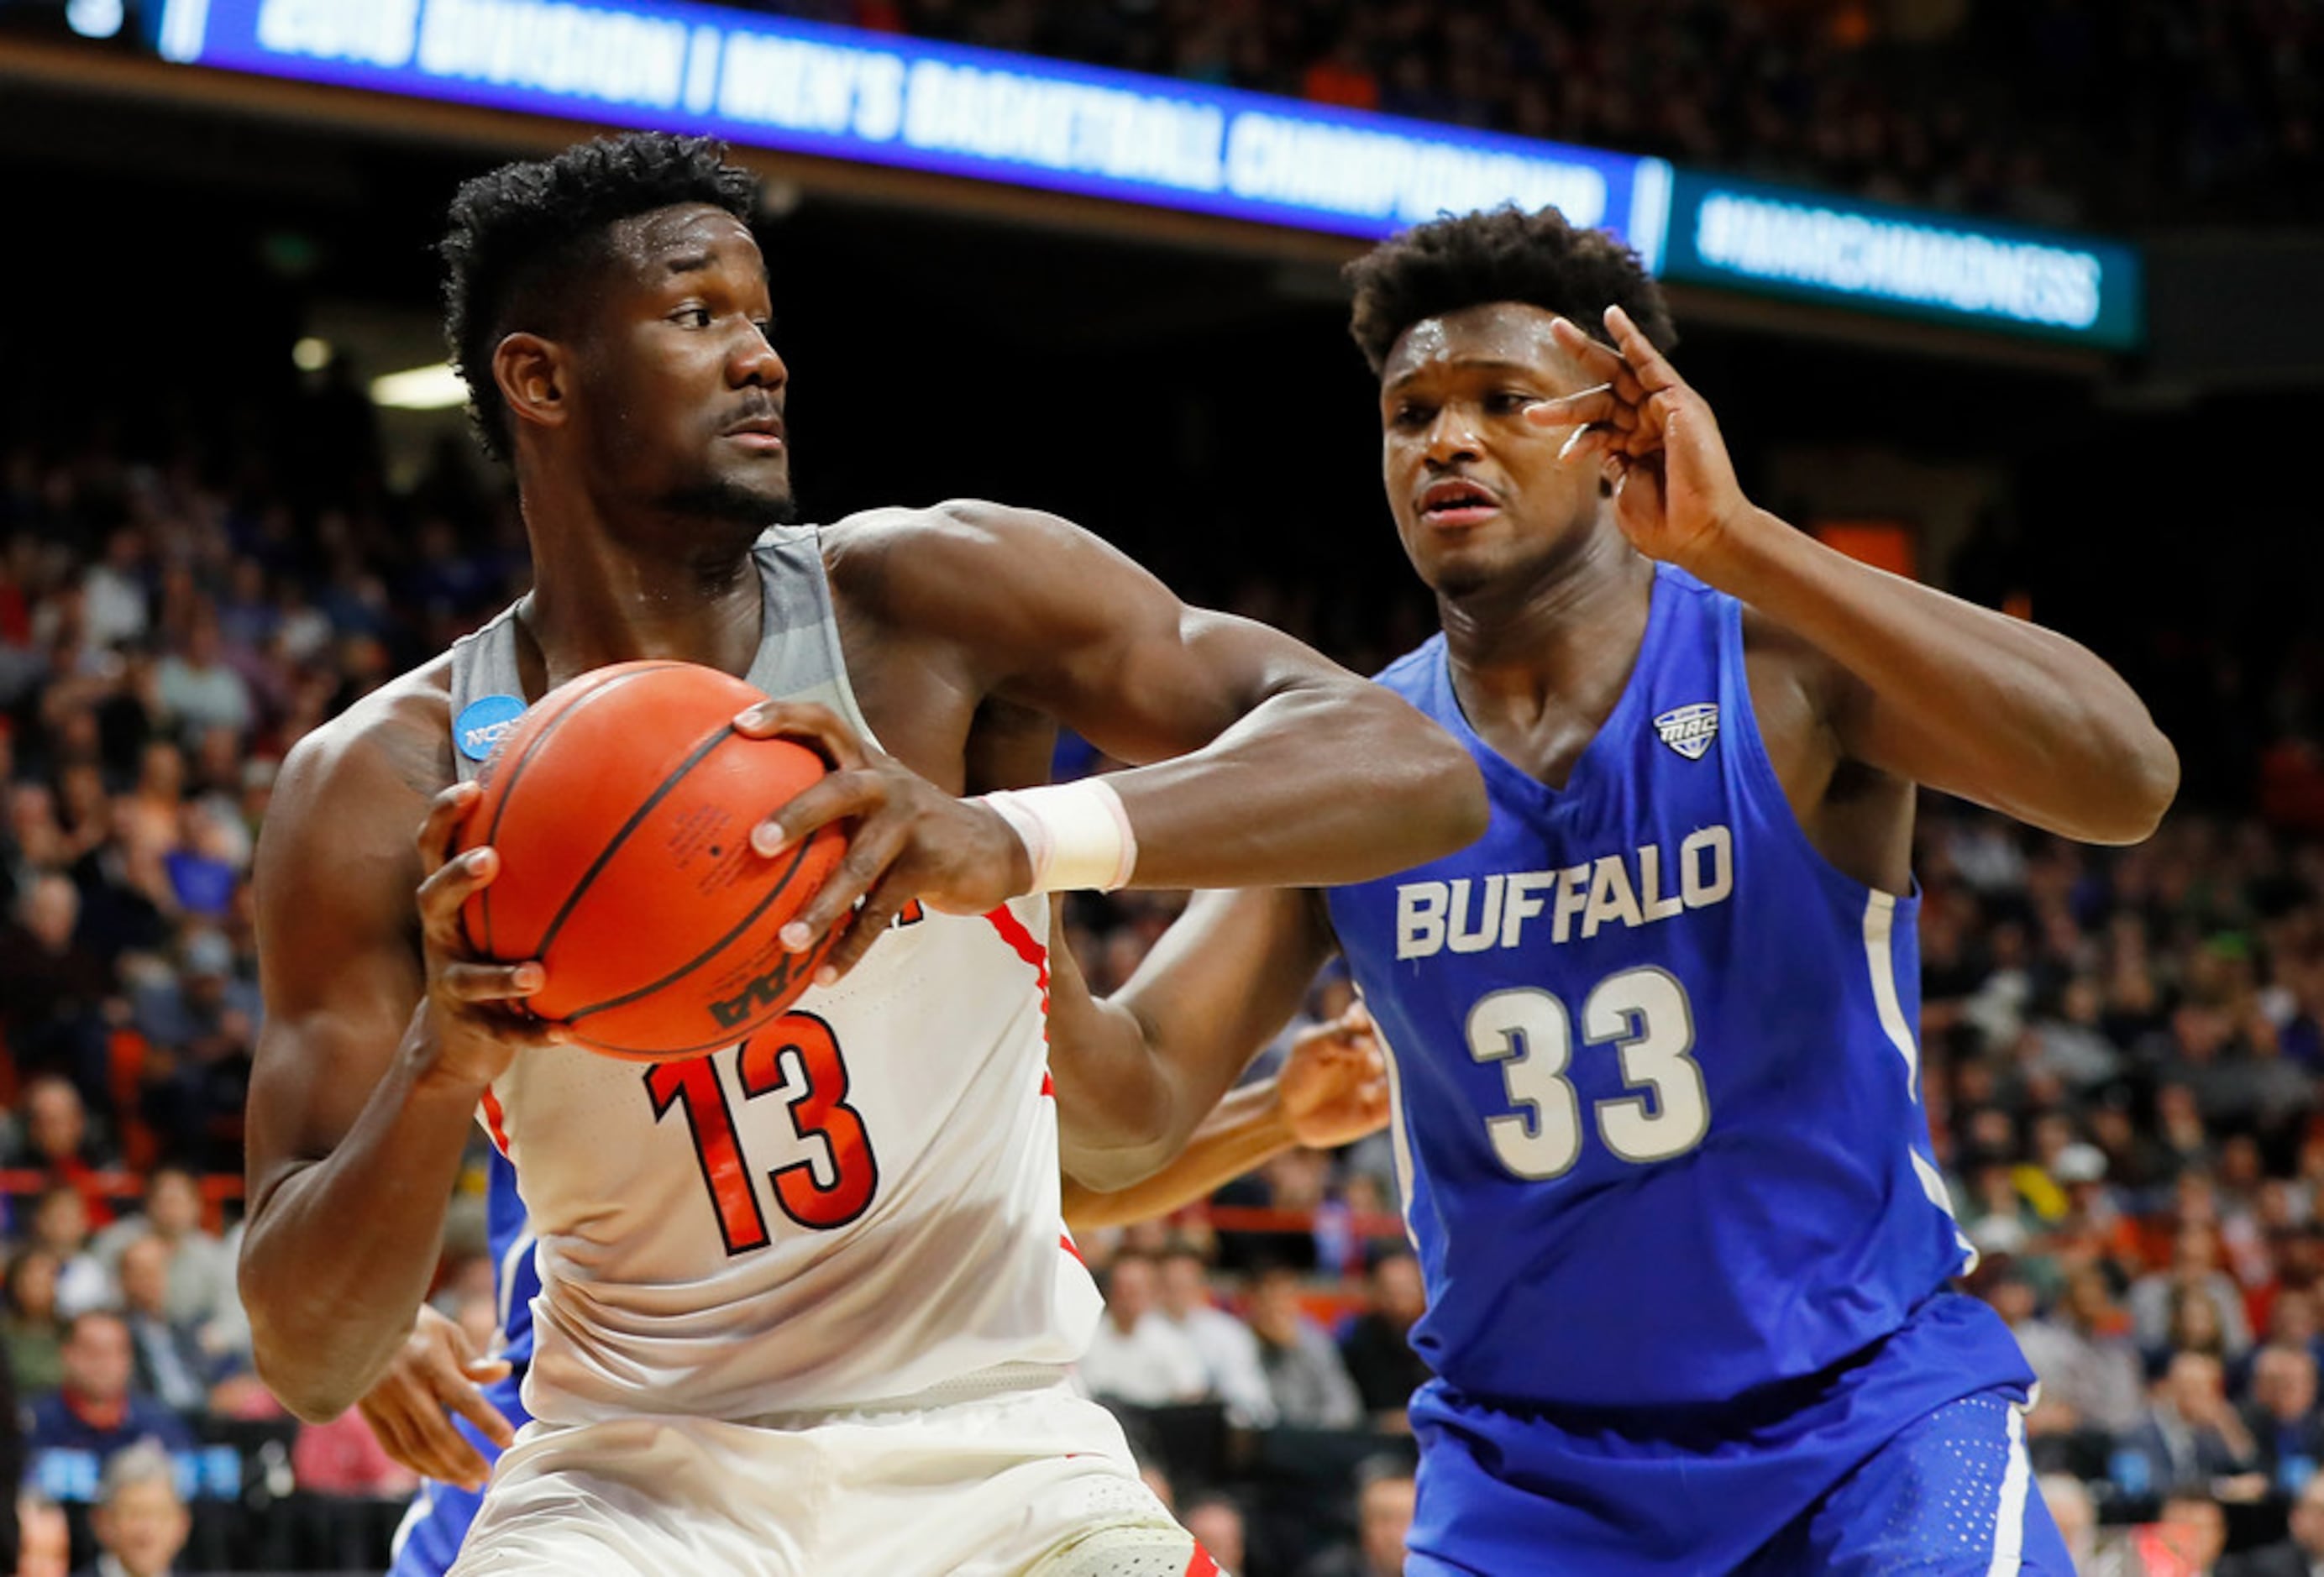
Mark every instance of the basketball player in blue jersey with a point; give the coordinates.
(446, 1411)
(1653, 1037)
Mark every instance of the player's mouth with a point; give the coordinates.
(1457, 501)
(763, 434)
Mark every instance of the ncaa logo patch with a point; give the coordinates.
(1689, 730)
(483, 722)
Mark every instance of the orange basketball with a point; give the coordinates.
(622, 805)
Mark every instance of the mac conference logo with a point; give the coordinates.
(1689, 730)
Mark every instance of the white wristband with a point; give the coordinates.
(1076, 835)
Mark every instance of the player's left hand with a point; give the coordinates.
(1333, 1083)
(910, 839)
(1674, 490)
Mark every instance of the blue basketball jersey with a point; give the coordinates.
(1656, 1063)
(516, 1282)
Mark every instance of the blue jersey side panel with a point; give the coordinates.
(1657, 1065)
(429, 1540)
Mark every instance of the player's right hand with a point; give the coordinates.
(1334, 1085)
(435, 1375)
(477, 1005)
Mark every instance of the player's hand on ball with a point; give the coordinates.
(1675, 488)
(1333, 1087)
(476, 1004)
(910, 839)
(436, 1374)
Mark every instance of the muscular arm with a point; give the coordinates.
(1246, 1129)
(1138, 1072)
(1938, 691)
(1263, 764)
(356, 1119)
(1914, 683)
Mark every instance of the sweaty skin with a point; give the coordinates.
(1534, 475)
(649, 453)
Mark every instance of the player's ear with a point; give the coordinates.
(531, 374)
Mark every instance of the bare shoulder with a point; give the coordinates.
(370, 771)
(960, 552)
(1796, 691)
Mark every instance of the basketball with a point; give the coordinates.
(622, 806)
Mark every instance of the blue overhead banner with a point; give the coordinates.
(883, 99)
(1908, 262)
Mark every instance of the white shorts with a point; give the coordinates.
(1004, 1486)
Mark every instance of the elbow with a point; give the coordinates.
(2148, 772)
(306, 1392)
(2141, 770)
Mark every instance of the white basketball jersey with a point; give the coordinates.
(859, 1204)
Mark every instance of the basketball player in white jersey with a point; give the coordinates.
(807, 1303)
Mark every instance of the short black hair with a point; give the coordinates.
(1499, 254)
(521, 235)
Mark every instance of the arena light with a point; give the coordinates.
(436, 388)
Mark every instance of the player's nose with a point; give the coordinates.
(756, 362)
(1452, 435)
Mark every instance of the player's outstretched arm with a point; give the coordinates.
(379, 1038)
(1138, 1072)
(1332, 1091)
(1261, 763)
(1918, 684)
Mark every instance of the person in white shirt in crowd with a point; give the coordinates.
(201, 1271)
(1138, 1356)
(1305, 1371)
(1229, 1352)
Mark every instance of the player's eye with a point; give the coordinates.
(1508, 402)
(693, 317)
(1410, 416)
(766, 328)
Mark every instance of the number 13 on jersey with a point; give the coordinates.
(1645, 1015)
(798, 1056)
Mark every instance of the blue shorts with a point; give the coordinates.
(1909, 1461)
(429, 1539)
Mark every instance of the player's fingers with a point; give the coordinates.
(811, 724)
(451, 885)
(1652, 369)
(489, 1420)
(834, 797)
(1598, 359)
(870, 852)
(872, 919)
(441, 826)
(1576, 410)
(493, 982)
(455, 1460)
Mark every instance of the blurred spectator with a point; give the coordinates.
(61, 1225)
(2187, 1540)
(2077, 1519)
(1378, 1347)
(202, 1273)
(2282, 1417)
(169, 1364)
(1138, 1356)
(1217, 1521)
(2155, 1302)
(2300, 1555)
(2086, 1360)
(35, 1331)
(1384, 1498)
(1309, 1382)
(2189, 1435)
(141, 1525)
(52, 989)
(43, 1538)
(97, 1412)
(1229, 1351)
(344, 1457)
(201, 1025)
